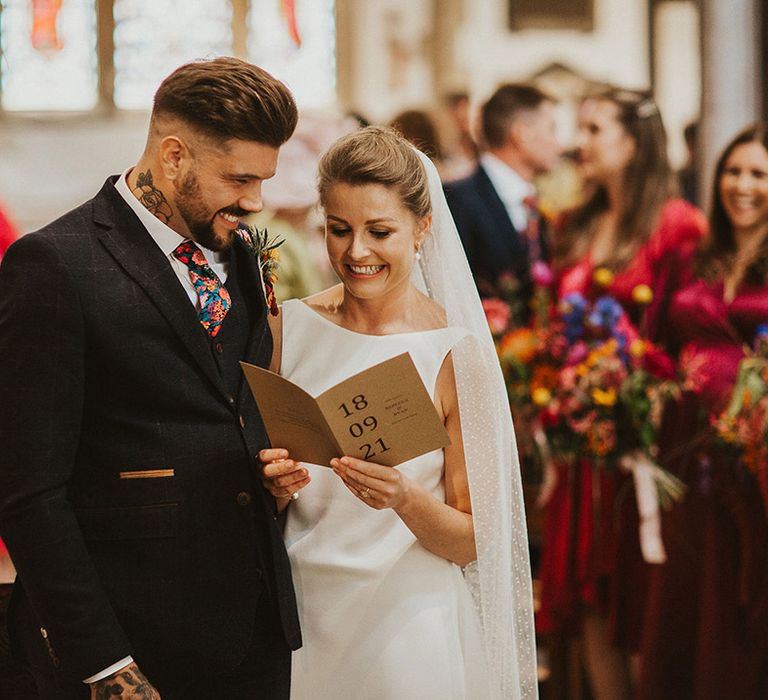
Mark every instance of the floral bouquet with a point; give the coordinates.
(530, 370)
(743, 425)
(590, 341)
(583, 382)
(609, 401)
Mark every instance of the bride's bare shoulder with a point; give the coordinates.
(431, 314)
(326, 303)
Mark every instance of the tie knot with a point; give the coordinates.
(188, 253)
(531, 203)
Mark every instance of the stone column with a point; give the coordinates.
(731, 78)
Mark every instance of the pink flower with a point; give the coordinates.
(577, 353)
(624, 327)
(497, 314)
(658, 363)
(198, 258)
(541, 274)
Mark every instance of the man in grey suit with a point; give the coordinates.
(150, 561)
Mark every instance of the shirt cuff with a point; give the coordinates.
(110, 670)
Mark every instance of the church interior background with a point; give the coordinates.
(77, 76)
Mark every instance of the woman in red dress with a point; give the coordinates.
(705, 636)
(7, 233)
(631, 224)
(7, 236)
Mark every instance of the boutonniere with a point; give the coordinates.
(264, 249)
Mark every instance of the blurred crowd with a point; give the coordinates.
(648, 539)
(637, 595)
(678, 609)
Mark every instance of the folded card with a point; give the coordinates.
(384, 415)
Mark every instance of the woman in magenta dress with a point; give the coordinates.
(631, 224)
(705, 636)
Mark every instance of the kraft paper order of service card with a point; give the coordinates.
(383, 415)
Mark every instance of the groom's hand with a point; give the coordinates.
(126, 684)
(281, 475)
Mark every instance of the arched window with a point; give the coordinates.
(296, 41)
(49, 59)
(53, 51)
(153, 38)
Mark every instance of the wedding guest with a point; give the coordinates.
(150, 561)
(387, 558)
(631, 224)
(8, 233)
(461, 150)
(708, 604)
(495, 207)
(688, 175)
(419, 129)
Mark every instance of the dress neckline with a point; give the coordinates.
(324, 320)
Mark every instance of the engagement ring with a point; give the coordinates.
(365, 493)
(295, 496)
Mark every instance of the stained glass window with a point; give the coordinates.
(49, 55)
(295, 40)
(49, 48)
(153, 38)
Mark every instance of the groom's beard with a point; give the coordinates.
(198, 218)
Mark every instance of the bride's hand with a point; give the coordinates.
(281, 476)
(375, 485)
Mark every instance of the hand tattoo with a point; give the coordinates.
(151, 197)
(127, 684)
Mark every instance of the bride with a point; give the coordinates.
(413, 582)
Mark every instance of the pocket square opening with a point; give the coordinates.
(147, 473)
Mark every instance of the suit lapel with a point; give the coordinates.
(506, 236)
(123, 235)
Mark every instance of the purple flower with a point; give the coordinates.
(605, 314)
(572, 308)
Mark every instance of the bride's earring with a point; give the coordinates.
(418, 253)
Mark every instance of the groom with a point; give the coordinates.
(148, 554)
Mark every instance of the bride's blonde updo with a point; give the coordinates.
(376, 155)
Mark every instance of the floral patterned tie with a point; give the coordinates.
(214, 296)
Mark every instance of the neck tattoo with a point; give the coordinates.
(151, 197)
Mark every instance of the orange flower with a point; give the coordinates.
(642, 294)
(544, 377)
(541, 396)
(603, 277)
(519, 344)
(605, 397)
(637, 348)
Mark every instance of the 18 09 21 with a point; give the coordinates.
(359, 426)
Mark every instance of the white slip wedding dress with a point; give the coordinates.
(382, 618)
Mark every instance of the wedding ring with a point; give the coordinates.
(295, 496)
(365, 493)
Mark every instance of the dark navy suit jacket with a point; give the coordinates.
(492, 244)
(106, 373)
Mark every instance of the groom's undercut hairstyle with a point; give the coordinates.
(226, 98)
(504, 106)
(377, 155)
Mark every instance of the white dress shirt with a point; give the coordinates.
(511, 188)
(167, 240)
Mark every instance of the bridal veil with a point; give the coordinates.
(500, 579)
